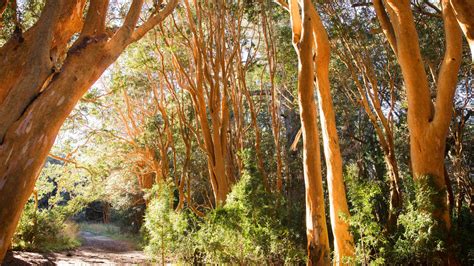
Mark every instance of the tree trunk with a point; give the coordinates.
(428, 123)
(316, 229)
(395, 199)
(339, 211)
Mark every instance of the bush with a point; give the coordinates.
(165, 229)
(252, 227)
(367, 205)
(249, 228)
(44, 230)
(419, 238)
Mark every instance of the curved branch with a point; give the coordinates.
(154, 20)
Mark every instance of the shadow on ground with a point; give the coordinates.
(95, 249)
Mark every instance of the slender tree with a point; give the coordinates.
(339, 211)
(303, 42)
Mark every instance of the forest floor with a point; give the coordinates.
(95, 249)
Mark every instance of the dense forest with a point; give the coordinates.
(239, 131)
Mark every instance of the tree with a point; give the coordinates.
(303, 42)
(372, 96)
(54, 76)
(428, 122)
(343, 241)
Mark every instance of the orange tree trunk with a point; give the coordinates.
(34, 107)
(316, 229)
(464, 10)
(428, 122)
(339, 211)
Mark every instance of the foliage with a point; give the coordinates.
(166, 230)
(366, 199)
(45, 225)
(247, 229)
(44, 230)
(420, 238)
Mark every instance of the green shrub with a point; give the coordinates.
(366, 207)
(165, 229)
(420, 239)
(44, 230)
(254, 226)
(249, 228)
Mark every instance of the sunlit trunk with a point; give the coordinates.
(428, 122)
(316, 229)
(339, 211)
(39, 103)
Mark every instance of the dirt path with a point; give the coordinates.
(95, 249)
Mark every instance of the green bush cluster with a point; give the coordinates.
(417, 239)
(44, 230)
(420, 239)
(165, 230)
(46, 226)
(252, 227)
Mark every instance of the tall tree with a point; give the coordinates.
(428, 122)
(205, 69)
(303, 42)
(339, 211)
(43, 77)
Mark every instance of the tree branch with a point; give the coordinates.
(447, 77)
(411, 63)
(95, 20)
(295, 21)
(154, 20)
(283, 4)
(35, 78)
(125, 32)
(464, 10)
(385, 23)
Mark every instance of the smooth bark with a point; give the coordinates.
(428, 122)
(316, 229)
(464, 10)
(339, 211)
